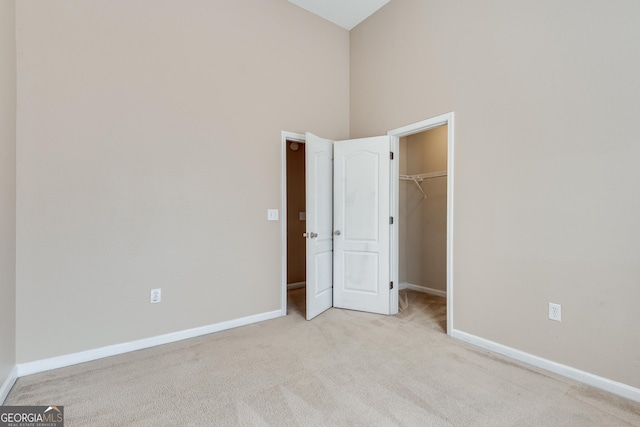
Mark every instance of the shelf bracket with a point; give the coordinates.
(419, 186)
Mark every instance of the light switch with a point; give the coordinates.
(272, 214)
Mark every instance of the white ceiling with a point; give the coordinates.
(345, 13)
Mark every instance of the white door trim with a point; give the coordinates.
(396, 134)
(286, 136)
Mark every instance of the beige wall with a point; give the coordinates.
(149, 153)
(424, 235)
(7, 188)
(547, 98)
(296, 203)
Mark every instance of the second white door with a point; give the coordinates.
(319, 229)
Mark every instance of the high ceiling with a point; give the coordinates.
(345, 13)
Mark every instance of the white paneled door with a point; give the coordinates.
(319, 220)
(361, 222)
(348, 230)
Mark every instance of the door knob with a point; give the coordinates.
(337, 232)
(304, 235)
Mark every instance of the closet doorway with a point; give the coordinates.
(422, 199)
(347, 224)
(294, 222)
(422, 223)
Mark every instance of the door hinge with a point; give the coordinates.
(391, 285)
(390, 220)
(391, 155)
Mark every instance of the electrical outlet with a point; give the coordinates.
(156, 296)
(555, 312)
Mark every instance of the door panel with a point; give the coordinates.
(361, 189)
(361, 272)
(361, 195)
(319, 224)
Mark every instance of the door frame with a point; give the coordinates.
(396, 134)
(285, 137)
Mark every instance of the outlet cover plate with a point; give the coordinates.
(555, 312)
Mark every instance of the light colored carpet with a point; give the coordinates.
(342, 368)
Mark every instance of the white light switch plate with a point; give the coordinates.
(272, 214)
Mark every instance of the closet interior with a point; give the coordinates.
(422, 252)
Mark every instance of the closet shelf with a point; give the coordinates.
(418, 178)
(422, 176)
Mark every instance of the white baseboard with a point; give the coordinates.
(424, 289)
(8, 383)
(29, 368)
(297, 285)
(611, 386)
